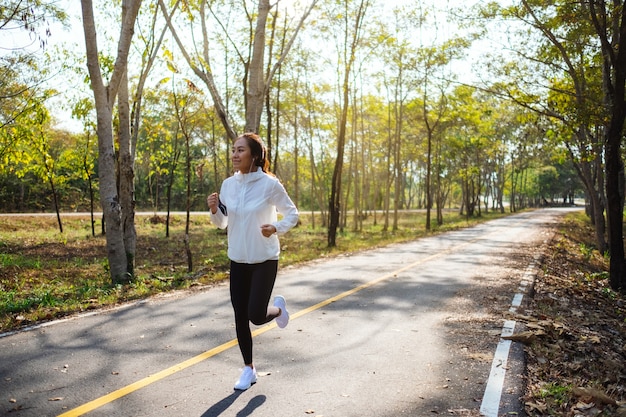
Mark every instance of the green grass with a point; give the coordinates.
(556, 392)
(45, 274)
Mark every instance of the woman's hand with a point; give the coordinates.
(268, 230)
(213, 200)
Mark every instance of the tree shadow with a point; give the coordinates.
(223, 405)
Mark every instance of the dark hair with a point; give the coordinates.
(257, 150)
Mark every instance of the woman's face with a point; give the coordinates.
(242, 156)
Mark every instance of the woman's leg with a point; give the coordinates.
(240, 286)
(263, 279)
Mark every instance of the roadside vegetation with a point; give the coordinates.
(575, 332)
(46, 275)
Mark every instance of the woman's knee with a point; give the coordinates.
(258, 317)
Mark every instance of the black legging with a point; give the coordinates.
(251, 287)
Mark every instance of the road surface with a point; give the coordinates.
(409, 329)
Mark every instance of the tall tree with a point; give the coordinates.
(610, 24)
(351, 36)
(119, 238)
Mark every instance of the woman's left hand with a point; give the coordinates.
(268, 230)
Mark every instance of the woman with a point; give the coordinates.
(248, 203)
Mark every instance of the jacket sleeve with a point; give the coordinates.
(220, 218)
(285, 207)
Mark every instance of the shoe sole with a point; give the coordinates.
(284, 313)
(245, 389)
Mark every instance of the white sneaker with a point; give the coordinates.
(246, 379)
(283, 319)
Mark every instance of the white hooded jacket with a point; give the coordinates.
(248, 201)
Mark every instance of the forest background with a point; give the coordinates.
(364, 105)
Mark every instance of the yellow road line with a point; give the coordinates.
(99, 402)
(106, 399)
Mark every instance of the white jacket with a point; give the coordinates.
(248, 201)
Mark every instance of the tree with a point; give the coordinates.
(610, 26)
(46, 162)
(187, 118)
(83, 110)
(255, 81)
(120, 234)
(351, 35)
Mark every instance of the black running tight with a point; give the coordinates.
(251, 287)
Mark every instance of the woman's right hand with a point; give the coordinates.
(213, 200)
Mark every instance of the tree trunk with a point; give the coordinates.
(109, 200)
(615, 195)
(334, 205)
(439, 200)
(171, 177)
(188, 203)
(107, 160)
(127, 177)
(90, 185)
(428, 191)
(389, 171)
(398, 180)
(592, 189)
(56, 203)
(256, 76)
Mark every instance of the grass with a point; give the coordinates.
(46, 275)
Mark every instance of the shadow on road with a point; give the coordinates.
(227, 402)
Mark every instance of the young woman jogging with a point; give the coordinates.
(248, 204)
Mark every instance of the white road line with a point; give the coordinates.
(493, 391)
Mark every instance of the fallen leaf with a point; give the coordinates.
(535, 326)
(581, 406)
(595, 395)
(541, 407)
(55, 399)
(525, 337)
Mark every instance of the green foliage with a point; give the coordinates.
(556, 392)
(586, 251)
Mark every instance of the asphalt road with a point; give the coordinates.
(377, 333)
